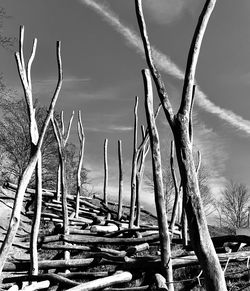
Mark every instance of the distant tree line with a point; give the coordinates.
(15, 146)
(230, 208)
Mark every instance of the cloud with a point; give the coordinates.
(100, 124)
(169, 67)
(167, 11)
(109, 128)
(121, 128)
(210, 145)
(213, 153)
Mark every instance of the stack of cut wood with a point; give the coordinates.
(104, 250)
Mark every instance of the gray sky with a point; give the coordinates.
(102, 72)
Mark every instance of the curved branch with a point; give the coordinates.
(154, 72)
(193, 57)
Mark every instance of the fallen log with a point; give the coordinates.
(136, 249)
(13, 187)
(74, 230)
(160, 282)
(134, 288)
(149, 262)
(54, 278)
(103, 228)
(84, 248)
(44, 214)
(81, 220)
(78, 239)
(37, 286)
(131, 231)
(97, 284)
(13, 288)
(95, 240)
(59, 264)
(85, 275)
(89, 204)
(60, 221)
(78, 223)
(117, 223)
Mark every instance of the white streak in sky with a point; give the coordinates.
(164, 63)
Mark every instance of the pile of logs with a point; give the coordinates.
(104, 250)
(97, 234)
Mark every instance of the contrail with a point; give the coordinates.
(164, 63)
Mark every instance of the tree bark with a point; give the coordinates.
(160, 201)
(62, 139)
(139, 176)
(26, 176)
(101, 283)
(181, 125)
(36, 219)
(120, 199)
(176, 189)
(105, 186)
(79, 169)
(134, 168)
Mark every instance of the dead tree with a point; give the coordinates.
(176, 189)
(62, 138)
(58, 183)
(160, 200)
(26, 176)
(119, 216)
(81, 136)
(139, 175)
(105, 184)
(181, 125)
(25, 72)
(134, 167)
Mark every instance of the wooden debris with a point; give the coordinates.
(121, 277)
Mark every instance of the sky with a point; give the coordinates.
(102, 62)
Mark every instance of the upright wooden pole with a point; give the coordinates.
(120, 199)
(26, 176)
(105, 185)
(62, 139)
(160, 201)
(176, 189)
(58, 183)
(181, 125)
(139, 176)
(134, 167)
(81, 136)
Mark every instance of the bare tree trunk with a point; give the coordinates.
(26, 176)
(62, 139)
(104, 282)
(25, 73)
(139, 176)
(36, 219)
(176, 189)
(184, 226)
(160, 201)
(58, 184)
(181, 125)
(105, 186)
(79, 169)
(134, 168)
(120, 180)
